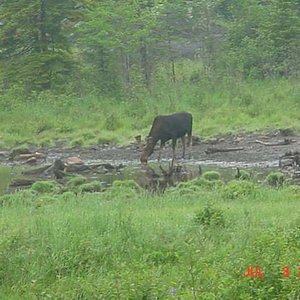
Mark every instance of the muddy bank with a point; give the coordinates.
(253, 153)
(248, 151)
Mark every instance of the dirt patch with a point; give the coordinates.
(249, 151)
(253, 153)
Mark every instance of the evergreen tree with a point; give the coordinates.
(34, 45)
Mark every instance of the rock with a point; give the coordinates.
(74, 160)
(196, 140)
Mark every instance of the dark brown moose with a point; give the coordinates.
(165, 128)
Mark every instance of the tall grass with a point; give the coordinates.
(95, 247)
(217, 106)
(5, 178)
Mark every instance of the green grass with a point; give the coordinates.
(217, 107)
(5, 178)
(111, 246)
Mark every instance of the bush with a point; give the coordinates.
(210, 216)
(275, 179)
(123, 189)
(236, 189)
(243, 175)
(75, 182)
(196, 185)
(91, 187)
(212, 175)
(45, 187)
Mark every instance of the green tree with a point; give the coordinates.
(263, 37)
(34, 42)
(116, 36)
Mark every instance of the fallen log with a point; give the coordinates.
(279, 143)
(215, 150)
(36, 171)
(22, 182)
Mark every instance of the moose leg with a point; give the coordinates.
(183, 146)
(160, 149)
(173, 151)
(189, 143)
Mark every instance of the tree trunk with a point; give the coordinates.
(145, 65)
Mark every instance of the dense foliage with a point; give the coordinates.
(115, 46)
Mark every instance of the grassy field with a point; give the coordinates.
(217, 108)
(193, 242)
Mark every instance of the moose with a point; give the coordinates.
(167, 127)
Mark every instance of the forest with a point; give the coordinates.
(130, 60)
(83, 215)
(114, 47)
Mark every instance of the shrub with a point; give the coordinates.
(210, 215)
(123, 189)
(75, 182)
(91, 187)
(45, 187)
(243, 175)
(275, 179)
(236, 189)
(212, 175)
(196, 185)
